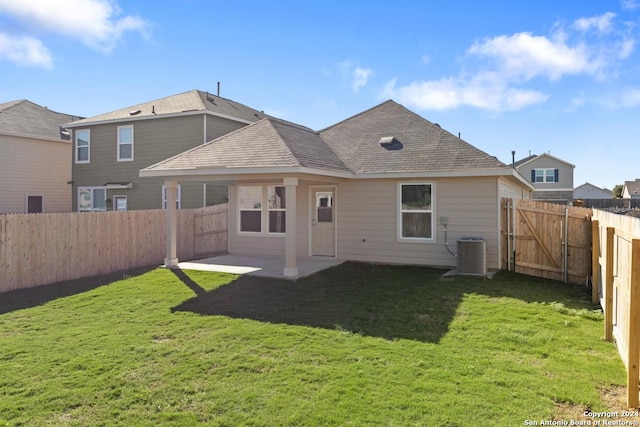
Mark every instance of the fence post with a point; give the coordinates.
(595, 261)
(608, 291)
(633, 373)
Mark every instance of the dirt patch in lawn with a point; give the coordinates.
(614, 399)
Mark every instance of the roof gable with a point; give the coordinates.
(632, 187)
(25, 118)
(535, 158)
(422, 145)
(190, 102)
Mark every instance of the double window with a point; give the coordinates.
(262, 207)
(83, 146)
(544, 175)
(92, 199)
(125, 143)
(415, 211)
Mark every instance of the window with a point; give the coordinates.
(83, 146)
(415, 218)
(276, 198)
(178, 197)
(119, 203)
(250, 207)
(92, 199)
(125, 143)
(544, 175)
(35, 204)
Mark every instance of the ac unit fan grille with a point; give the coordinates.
(472, 258)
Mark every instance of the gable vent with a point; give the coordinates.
(390, 143)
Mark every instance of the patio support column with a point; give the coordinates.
(171, 259)
(290, 264)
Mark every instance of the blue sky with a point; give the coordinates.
(560, 77)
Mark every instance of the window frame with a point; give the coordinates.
(93, 198)
(77, 147)
(114, 202)
(545, 175)
(264, 210)
(400, 211)
(178, 197)
(120, 143)
(270, 209)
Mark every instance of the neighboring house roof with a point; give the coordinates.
(588, 190)
(632, 188)
(530, 159)
(361, 144)
(194, 101)
(25, 118)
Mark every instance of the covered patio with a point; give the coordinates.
(258, 265)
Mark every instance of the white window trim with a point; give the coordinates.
(92, 199)
(115, 204)
(399, 212)
(264, 211)
(178, 197)
(75, 146)
(544, 175)
(120, 159)
(26, 201)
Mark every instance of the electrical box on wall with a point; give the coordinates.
(443, 220)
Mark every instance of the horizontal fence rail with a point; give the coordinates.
(38, 249)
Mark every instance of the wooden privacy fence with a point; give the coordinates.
(38, 249)
(616, 284)
(546, 240)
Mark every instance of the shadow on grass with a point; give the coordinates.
(382, 301)
(31, 297)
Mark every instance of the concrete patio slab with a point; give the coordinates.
(259, 266)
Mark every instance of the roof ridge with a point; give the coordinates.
(359, 114)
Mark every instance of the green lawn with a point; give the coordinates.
(356, 345)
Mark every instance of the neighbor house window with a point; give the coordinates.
(276, 204)
(250, 207)
(91, 199)
(35, 204)
(415, 216)
(178, 197)
(125, 143)
(119, 203)
(544, 175)
(83, 146)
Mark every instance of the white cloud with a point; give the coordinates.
(524, 56)
(25, 51)
(630, 98)
(426, 59)
(484, 91)
(96, 23)
(630, 4)
(601, 23)
(360, 78)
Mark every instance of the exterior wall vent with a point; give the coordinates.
(472, 256)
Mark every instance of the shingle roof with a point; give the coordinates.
(194, 100)
(633, 187)
(352, 145)
(425, 146)
(525, 160)
(268, 143)
(25, 118)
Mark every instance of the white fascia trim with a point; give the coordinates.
(244, 171)
(156, 116)
(452, 173)
(545, 190)
(546, 155)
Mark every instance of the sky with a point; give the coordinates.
(559, 77)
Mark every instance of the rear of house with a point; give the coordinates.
(552, 177)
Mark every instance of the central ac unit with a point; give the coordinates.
(472, 258)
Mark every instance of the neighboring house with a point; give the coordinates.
(631, 189)
(552, 177)
(382, 186)
(34, 159)
(110, 149)
(590, 191)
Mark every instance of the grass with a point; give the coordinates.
(355, 345)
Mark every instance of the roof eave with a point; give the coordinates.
(222, 171)
(156, 116)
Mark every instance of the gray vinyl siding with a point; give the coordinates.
(367, 221)
(565, 173)
(34, 167)
(154, 141)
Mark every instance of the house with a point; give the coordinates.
(109, 149)
(382, 186)
(590, 191)
(631, 189)
(34, 159)
(552, 177)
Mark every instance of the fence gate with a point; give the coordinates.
(547, 240)
(210, 232)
